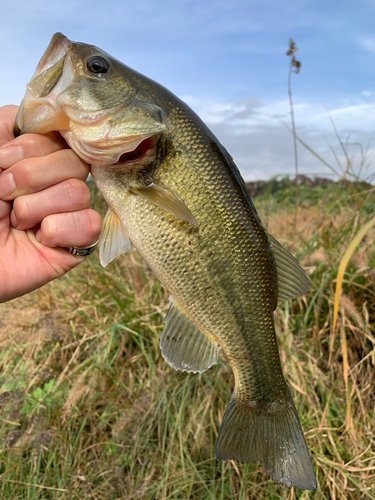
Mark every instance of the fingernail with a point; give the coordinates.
(7, 184)
(38, 235)
(9, 155)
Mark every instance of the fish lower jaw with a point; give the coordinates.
(114, 154)
(40, 116)
(88, 152)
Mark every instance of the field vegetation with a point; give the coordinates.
(89, 409)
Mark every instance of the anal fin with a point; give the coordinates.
(185, 346)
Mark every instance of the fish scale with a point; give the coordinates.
(175, 194)
(236, 330)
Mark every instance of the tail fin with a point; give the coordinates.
(270, 434)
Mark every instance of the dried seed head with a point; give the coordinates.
(292, 47)
(293, 61)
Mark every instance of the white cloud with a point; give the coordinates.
(256, 136)
(367, 43)
(244, 115)
(181, 44)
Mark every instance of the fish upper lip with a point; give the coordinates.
(58, 47)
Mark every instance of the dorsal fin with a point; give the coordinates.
(291, 278)
(183, 345)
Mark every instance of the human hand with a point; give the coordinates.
(44, 207)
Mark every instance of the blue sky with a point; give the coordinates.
(227, 61)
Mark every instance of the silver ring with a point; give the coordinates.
(82, 252)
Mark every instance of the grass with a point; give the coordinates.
(90, 410)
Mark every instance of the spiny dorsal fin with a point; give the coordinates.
(113, 239)
(160, 195)
(291, 278)
(183, 345)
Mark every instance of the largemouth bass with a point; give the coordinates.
(174, 193)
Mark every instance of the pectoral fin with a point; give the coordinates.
(291, 278)
(165, 198)
(113, 239)
(183, 345)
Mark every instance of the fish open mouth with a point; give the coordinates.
(62, 96)
(116, 153)
(56, 50)
(38, 112)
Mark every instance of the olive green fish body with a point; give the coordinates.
(222, 273)
(175, 194)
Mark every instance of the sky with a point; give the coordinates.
(227, 60)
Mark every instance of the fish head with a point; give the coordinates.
(94, 101)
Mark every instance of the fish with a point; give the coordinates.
(175, 194)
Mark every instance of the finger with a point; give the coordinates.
(34, 174)
(30, 146)
(79, 229)
(7, 119)
(60, 260)
(68, 196)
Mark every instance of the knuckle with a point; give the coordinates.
(89, 223)
(80, 229)
(95, 222)
(25, 175)
(75, 165)
(82, 221)
(32, 144)
(76, 193)
(36, 145)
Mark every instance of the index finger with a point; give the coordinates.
(30, 146)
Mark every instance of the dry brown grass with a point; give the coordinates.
(90, 410)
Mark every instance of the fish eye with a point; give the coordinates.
(97, 64)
